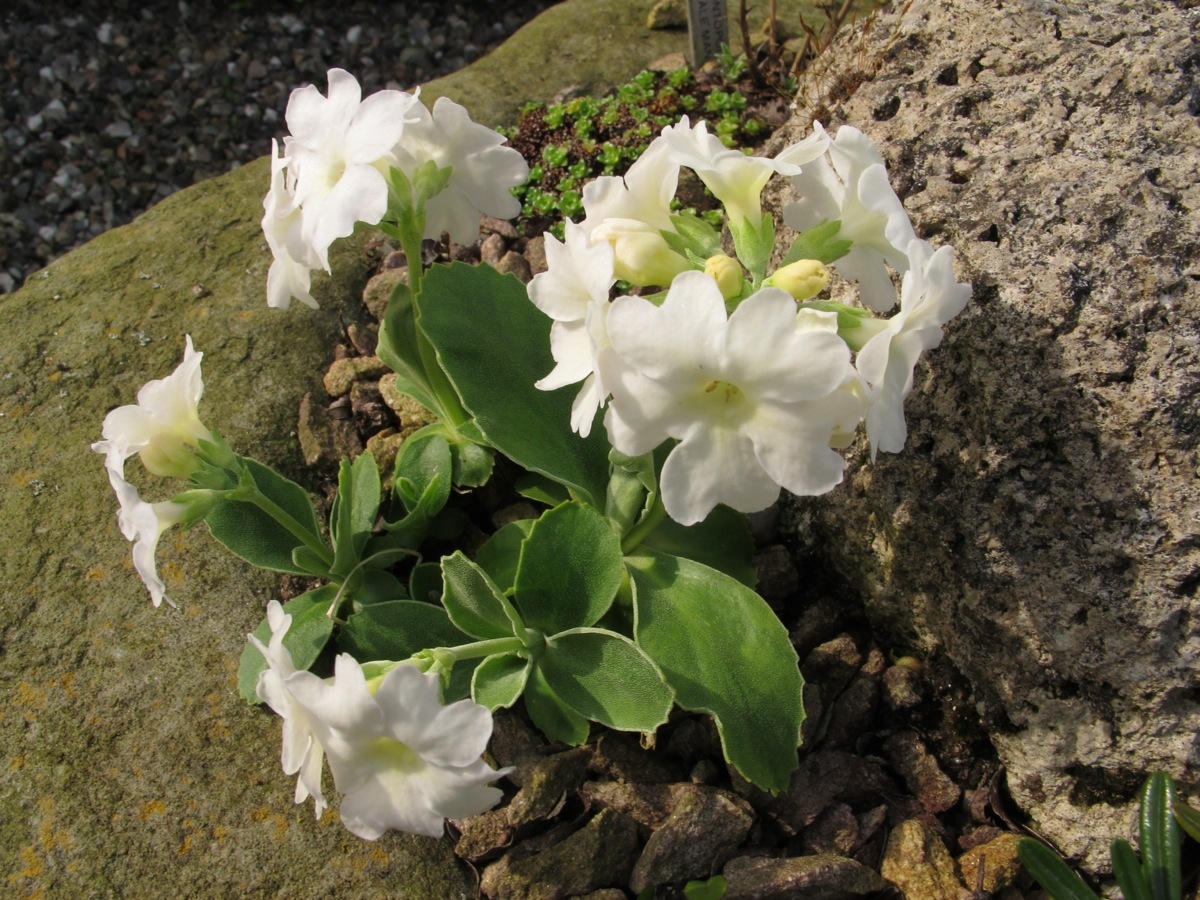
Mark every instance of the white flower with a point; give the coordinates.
(164, 427)
(302, 752)
(140, 522)
(854, 189)
(929, 298)
(401, 759)
(483, 173)
(574, 293)
(733, 177)
(753, 400)
(282, 225)
(630, 213)
(339, 148)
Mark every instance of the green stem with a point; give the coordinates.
(642, 530)
(298, 531)
(484, 648)
(451, 409)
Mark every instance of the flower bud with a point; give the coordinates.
(726, 272)
(641, 255)
(802, 279)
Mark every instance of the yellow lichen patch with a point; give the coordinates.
(95, 573)
(28, 699)
(67, 685)
(21, 478)
(17, 763)
(185, 845)
(264, 814)
(34, 858)
(192, 611)
(151, 808)
(220, 832)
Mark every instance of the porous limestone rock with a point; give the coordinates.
(1042, 526)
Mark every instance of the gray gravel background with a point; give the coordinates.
(107, 107)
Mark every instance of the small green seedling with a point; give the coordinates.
(1157, 876)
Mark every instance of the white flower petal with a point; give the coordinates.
(711, 466)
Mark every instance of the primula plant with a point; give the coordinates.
(657, 383)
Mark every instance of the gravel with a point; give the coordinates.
(108, 107)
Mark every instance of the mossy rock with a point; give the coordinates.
(130, 766)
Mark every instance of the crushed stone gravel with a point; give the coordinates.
(108, 106)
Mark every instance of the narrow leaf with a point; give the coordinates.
(1051, 872)
(1128, 871)
(494, 344)
(607, 678)
(355, 510)
(310, 631)
(1159, 833)
(726, 653)
(570, 569)
(1188, 818)
(819, 242)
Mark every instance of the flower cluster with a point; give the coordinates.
(756, 380)
(398, 756)
(164, 430)
(349, 160)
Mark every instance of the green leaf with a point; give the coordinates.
(501, 553)
(494, 344)
(555, 719)
(1159, 838)
(607, 678)
(1128, 871)
(248, 532)
(354, 511)
(472, 462)
(541, 489)
(754, 244)
(712, 889)
(693, 238)
(423, 474)
(722, 542)
(377, 586)
(819, 242)
(631, 486)
(310, 631)
(425, 582)
(1188, 818)
(570, 569)
(396, 630)
(726, 653)
(499, 680)
(1051, 872)
(398, 346)
(474, 603)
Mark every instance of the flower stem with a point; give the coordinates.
(643, 529)
(451, 409)
(280, 515)
(484, 648)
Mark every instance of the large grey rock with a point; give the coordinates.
(1042, 526)
(129, 765)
